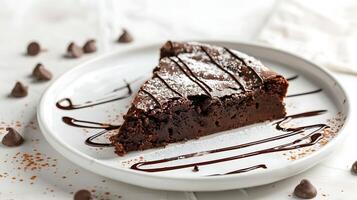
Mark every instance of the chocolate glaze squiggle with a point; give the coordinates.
(71, 106)
(193, 80)
(304, 93)
(193, 74)
(92, 125)
(292, 78)
(243, 170)
(89, 140)
(278, 124)
(314, 137)
(223, 69)
(246, 64)
(151, 96)
(301, 94)
(167, 85)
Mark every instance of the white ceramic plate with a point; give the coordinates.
(99, 77)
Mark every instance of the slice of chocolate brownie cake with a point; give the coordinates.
(196, 90)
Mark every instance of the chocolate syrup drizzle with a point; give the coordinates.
(301, 94)
(313, 137)
(223, 69)
(192, 79)
(167, 85)
(246, 64)
(193, 74)
(90, 140)
(304, 93)
(292, 78)
(91, 125)
(66, 103)
(243, 170)
(88, 124)
(207, 89)
(152, 96)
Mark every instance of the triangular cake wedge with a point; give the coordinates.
(197, 90)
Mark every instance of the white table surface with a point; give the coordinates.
(55, 23)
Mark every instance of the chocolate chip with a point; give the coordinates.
(82, 195)
(125, 37)
(12, 138)
(33, 48)
(41, 73)
(19, 90)
(90, 46)
(195, 169)
(354, 168)
(74, 51)
(305, 190)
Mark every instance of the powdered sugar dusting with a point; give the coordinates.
(192, 72)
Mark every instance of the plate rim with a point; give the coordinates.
(54, 142)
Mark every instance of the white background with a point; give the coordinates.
(55, 23)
